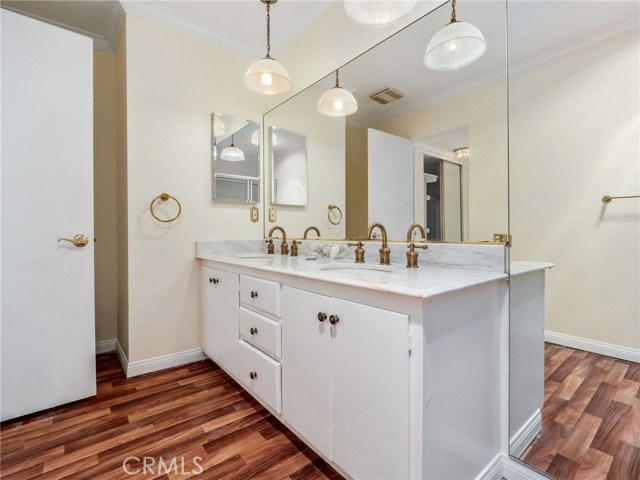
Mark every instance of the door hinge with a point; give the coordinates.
(410, 343)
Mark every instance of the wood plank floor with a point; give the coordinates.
(183, 413)
(590, 418)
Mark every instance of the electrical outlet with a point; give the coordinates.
(272, 215)
(254, 214)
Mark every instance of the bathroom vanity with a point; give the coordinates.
(383, 370)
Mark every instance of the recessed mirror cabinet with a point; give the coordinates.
(235, 159)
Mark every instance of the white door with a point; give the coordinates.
(48, 338)
(370, 391)
(225, 330)
(391, 169)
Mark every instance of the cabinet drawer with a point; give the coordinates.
(261, 374)
(261, 332)
(263, 295)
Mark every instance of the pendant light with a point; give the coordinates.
(377, 13)
(267, 76)
(337, 101)
(255, 138)
(455, 46)
(232, 153)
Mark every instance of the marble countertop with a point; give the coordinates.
(518, 268)
(423, 282)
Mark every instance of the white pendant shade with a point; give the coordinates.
(337, 102)
(255, 138)
(268, 77)
(455, 46)
(377, 13)
(218, 125)
(232, 154)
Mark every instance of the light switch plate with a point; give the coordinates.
(272, 215)
(254, 214)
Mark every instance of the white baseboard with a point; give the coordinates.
(594, 346)
(516, 470)
(155, 364)
(523, 438)
(493, 471)
(104, 346)
(124, 362)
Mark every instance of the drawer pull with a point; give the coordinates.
(333, 319)
(253, 375)
(213, 280)
(254, 294)
(322, 316)
(253, 331)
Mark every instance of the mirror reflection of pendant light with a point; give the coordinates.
(232, 153)
(337, 101)
(267, 76)
(377, 13)
(455, 46)
(218, 125)
(462, 152)
(255, 138)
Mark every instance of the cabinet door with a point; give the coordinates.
(370, 391)
(220, 305)
(306, 366)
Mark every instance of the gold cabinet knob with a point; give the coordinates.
(253, 331)
(322, 317)
(254, 294)
(334, 319)
(253, 375)
(78, 240)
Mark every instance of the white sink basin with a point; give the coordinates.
(357, 267)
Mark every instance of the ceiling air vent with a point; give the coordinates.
(385, 96)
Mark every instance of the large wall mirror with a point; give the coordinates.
(574, 94)
(424, 146)
(235, 159)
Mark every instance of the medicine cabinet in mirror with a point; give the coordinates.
(235, 158)
(288, 167)
(423, 146)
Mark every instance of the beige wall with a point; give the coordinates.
(104, 190)
(174, 83)
(574, 138)
(484, 111)
(121, 191)
(325, 164)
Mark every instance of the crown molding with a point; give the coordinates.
(159, 14)
(106, 42)
(587, 44)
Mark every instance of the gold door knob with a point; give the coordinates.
(79, 240)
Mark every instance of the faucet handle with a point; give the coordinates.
(294, 248)
(359, 251)
(270, 247)
(412, 246)
(412, 255)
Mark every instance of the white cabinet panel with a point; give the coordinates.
(259, 294)
(306, 370)
(261, 374)
(370, 391)
(220, 317)
(260, 331)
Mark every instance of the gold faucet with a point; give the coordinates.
(385, 251)
(412, 255)
(412, 228)
(284, 248)
(308, 229)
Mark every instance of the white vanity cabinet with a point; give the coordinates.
(219, 316)
(346, 384)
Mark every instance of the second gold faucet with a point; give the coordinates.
(284, 248)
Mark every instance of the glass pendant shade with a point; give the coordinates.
(268, 77)
(377, 13)
(232, 153)
(337, 102)
(218, 125)
(255, 138)
(462, 152)
(455, 46)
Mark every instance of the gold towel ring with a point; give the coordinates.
(336, 219)
(164, 197)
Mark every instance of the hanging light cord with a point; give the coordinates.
(269, 30)
(453, 11)
(337, 81)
